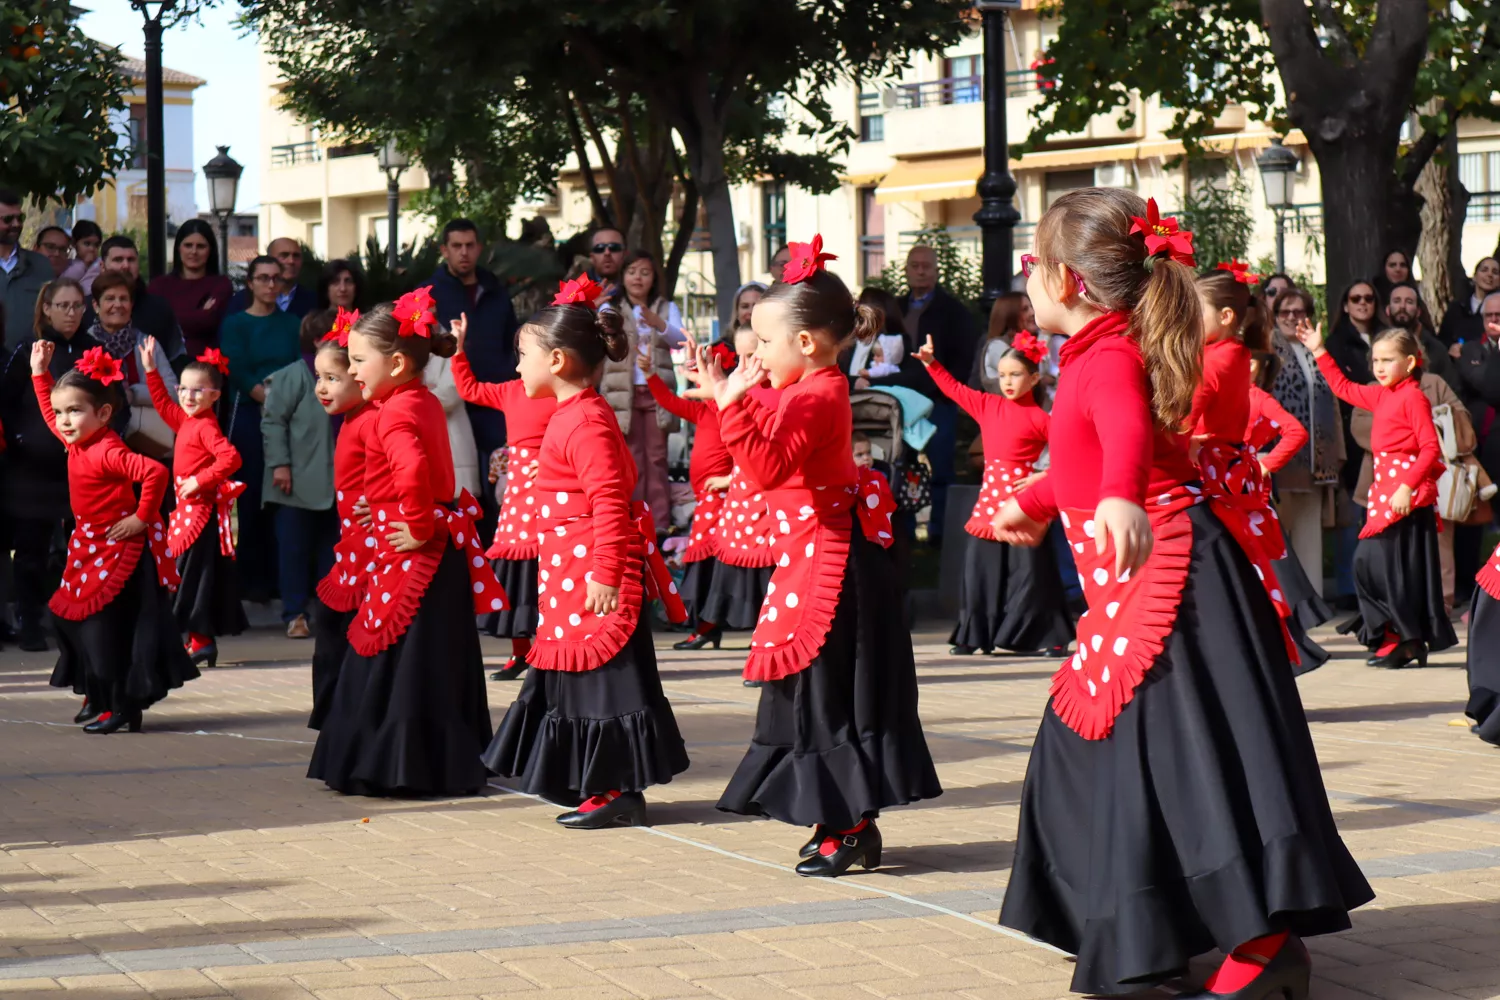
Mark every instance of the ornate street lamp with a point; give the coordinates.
(223, 176)
(156, 172)
(997, 215)
(1278, 168)
(393, 161)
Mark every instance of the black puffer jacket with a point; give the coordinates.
(35, 484)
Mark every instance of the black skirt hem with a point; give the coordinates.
(736, 595)
(518, 579)
(1010, 598)
(1398, 578)
(208, 598)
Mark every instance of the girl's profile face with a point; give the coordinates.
(535, 365)
(1390, 364)
(1016, 380)
(376, 373)
(1216, 322)
(1047, 311)
(783, 350)
(335, 387)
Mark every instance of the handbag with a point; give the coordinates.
(146, 431)
(1459, 483)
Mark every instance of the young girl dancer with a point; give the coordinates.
(408, 714)
(199, 534)
(1397, 574)
(516, 534)
(342, 590)
(837, 736)
(591, 726)
(1010, 597)
(1484, 653)
(1173, 802)
(116, 637)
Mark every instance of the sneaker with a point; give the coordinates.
(297, 628)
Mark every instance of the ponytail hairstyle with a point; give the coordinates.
(1406, 342)
(1091, 232)
(407, 327)
(571, 324)
(818, 301)
(1267, 367)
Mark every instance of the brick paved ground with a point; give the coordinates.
(196, 860)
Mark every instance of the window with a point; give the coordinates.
(962, 74)
(773, 216)
(871, 118)
(871, 235)
(135, 130)
(1480, 175)
(1060, 182)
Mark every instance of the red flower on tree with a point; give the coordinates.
(342, 324)
(416, 312)
(1029, 346)
(97, 364)
(581, 291)
(807, 260)
(1164, 237)
(214, 356)
(1240, 270)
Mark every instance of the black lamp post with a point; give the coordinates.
(223, 176)
(997, 215)
(393, 161)
(156, 169)
(1278, 167)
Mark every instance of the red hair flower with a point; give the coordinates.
(807, 260)
(1164, 237)
(581, 291)
(1240, 270)
(1029, 346)
(97, 364)
(416, 312)
(214, 356)
(342, 324)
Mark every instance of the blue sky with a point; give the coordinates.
(226, 110)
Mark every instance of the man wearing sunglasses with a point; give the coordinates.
(22, 272)
(607, 259)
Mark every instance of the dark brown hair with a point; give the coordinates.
(47, 296)
(1222, 290)
(635, 257)
(315, 325)
(1255, 331)
(822, 305)
(1005, 316)
(381, 328)
(98, 393)
(1308, 305)
(111, 279)
(1268, 366)
(215, 376)
(890, 309)
(587, 335)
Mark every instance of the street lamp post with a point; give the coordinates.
(156, 172)
(223, 176)
(997, 215)
(393, 161)
(1278, 167)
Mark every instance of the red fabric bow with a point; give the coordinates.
(415, 311)
(214, 356)
(1164, 236)
(807, 260)
(581, 291)
(1240, 270)
(342, 324)
(97, 364)
(1029, 346)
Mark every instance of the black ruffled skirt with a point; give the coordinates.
(1011, 598)
(1484, 666)
(735, 595)
(412, 719)
(841, 740)
(330, 630)
(697, 584)
(573, 734)
(518, 579)
(1201, 821)
(208, 599)
(1308, 609)
(127, 655)
(1398, 578)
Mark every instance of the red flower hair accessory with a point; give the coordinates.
(1029, 346)
(1164, 237)
(1240, 270)
(807, 260)
(98, 365)
(214, 356)
(416, 312)
(342, 324)
(581, 291)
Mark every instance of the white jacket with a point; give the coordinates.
(438, 376)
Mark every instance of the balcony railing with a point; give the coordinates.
(933, 93)
(970, 239)
(296, 153)
(1305, 219)
(1484, 206)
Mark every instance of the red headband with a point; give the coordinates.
(807, 260)
(342, 324)
(1240, 271)
(581, 291)
(214, 356)
(1029, 346)
(1164, 237)
(98, 365)
(415, 312)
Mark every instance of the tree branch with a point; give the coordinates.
(601, 211)
(1338, 39)
(1422, 150)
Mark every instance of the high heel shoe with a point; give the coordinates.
(961, 651)
(205, 655)
(113, 722)
(701, 639)
(625, 809)
(513, 669)
(811, 847)
(844, 850)
(1404, 654)
(85, 714)
(1287, 976)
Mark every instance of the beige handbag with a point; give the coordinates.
(1459, 484)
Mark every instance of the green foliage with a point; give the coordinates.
(1218, 214)
(958, 270)
(58, 88)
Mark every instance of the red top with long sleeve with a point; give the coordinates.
(1268, 421)
(525, 418)
(804, 442)
(201, 448)
(102, 472)
(710, 457)
(408, 459)
(1403, 421)
(350, 455)
(1221, 404)
(1104, 440)
(584, 452)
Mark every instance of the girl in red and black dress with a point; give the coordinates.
(837, 737)
(1397, 575)
(117, 640)
(341, 591)
(517, 537)
(591, 726)
(1010, 597)
(199, 534)
(1173, 802)
(408, 714)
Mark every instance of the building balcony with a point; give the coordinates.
(295, 153)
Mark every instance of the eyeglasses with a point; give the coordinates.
(54, 248)
(1292, 314)
(67, 307)
(607, 248)
(264, 279)
(1361, 300)
(1494, 317)
(1029, 263)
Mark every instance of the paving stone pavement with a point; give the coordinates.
(196, 860)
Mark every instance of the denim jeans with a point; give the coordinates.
(304, 540)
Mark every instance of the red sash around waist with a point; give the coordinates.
(192, 515)
(98, 567)
(1000, 478)
(1388, 467)
(1488, 576)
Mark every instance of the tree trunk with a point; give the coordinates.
(1435, 251)
(687, 224)
(1357, 182)
(705, 149)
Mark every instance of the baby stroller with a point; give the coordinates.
(878, 415)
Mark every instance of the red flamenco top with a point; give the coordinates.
(1221, 404)
(710, 459)
(201, 450)
(1014, 433)
(353, 554)
(1403, 442)
(1269, 420)
(746, 527)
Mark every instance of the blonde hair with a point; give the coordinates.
(1088, 230)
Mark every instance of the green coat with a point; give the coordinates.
(297, 433)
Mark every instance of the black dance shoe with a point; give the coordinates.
(114, 722)
(1412, 650)
(1285, 977)
(699, 640)
(627, 809)
(811, 847)
(754, 684)
(863, 847)
(512, 670)
(961, 651)
(206, 656)
(85, 714)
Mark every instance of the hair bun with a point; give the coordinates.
(610, 326)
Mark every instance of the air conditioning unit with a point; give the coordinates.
(1114, 175)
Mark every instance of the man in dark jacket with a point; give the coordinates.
(1479, 375)
(931, 311)
(22, 272)
(291, 296)
(1404, 309)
